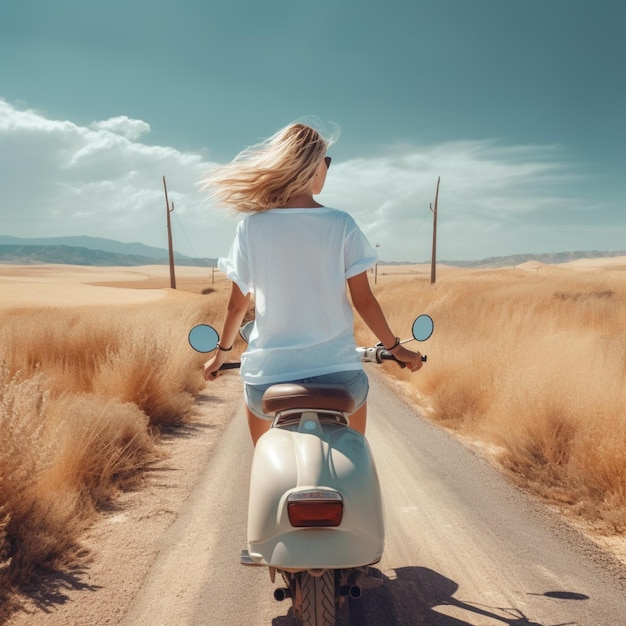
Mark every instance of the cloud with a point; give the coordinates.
(493, 199)
(60, 178)
(124, 126)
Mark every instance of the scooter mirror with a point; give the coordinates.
(423, 327)
(203, 338)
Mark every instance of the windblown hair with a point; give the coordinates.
(267, 175)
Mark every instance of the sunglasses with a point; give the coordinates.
(327, 160)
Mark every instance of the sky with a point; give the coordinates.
(518, 107)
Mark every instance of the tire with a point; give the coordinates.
(318, 599)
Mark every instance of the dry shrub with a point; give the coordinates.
(563, 427)
(64, 344)
(137, 354)
(23, 449)
(81, 390)
(101, 443)
(147, 368)
(65, 458)
(533, 364)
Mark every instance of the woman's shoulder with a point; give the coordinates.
(338, 213)
(344, 216)
(326, 213)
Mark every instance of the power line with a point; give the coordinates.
(180, 227)
(409, 239)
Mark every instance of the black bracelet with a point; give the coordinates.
(395, 345)
(224, 349)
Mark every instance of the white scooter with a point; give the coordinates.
(315, 511)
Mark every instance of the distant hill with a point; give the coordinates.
(70, 255)
(108, 252)
(550, 258)
(93, 243)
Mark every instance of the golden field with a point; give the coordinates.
(526, 364)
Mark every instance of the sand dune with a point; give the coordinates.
(70, 285)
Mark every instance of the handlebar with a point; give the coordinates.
(378, 354)
(231, 366)
(375, 354)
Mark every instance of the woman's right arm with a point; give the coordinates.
(369, 309)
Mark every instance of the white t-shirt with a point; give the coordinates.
(296, 263)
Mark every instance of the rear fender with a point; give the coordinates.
(303, 457)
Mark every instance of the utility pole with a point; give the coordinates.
(433, 261)
(169, 237)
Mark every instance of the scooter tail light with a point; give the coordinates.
(315, 508)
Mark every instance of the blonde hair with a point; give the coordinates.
(267, 175)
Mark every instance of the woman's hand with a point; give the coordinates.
(238, 304)
(212, 366)
(413, 360)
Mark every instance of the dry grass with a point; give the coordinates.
(83, 392)
(532, 367)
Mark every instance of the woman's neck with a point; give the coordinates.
(301, 201)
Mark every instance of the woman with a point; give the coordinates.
(295, 256)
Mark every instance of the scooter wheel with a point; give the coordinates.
(318, 599)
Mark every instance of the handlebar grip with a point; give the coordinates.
(230, 366)
(387, 356)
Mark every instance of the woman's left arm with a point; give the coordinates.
(238, 305)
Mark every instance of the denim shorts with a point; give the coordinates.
(355, 381)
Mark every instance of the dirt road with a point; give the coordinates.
(463, 545)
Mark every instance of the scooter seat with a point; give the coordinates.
(286, 396)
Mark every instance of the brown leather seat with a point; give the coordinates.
(286, 396)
